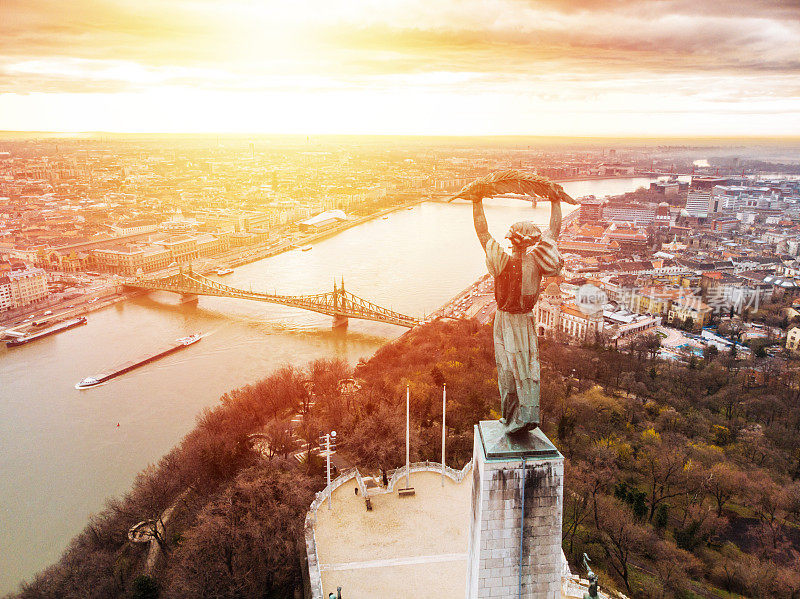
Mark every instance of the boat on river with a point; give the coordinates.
(97, 379)
(305, 248)
(223, 271)
(69, 324)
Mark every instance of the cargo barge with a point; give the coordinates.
(46, 333)
(182, 343)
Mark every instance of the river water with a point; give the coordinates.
(64, 451)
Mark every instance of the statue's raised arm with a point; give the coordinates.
(555, 218)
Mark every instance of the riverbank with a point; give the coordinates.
(249, 255)
(62, 312)
(474, 301)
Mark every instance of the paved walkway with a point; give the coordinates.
(398, 561)
(413, 546)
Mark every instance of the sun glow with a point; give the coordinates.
(404, 67)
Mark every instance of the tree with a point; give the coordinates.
(144, 587)
(378, 440)
(663, 465)
(279, 438)
(770, 502)
(578, 498)
(652, 344)
(688, 324)
(723, 482)
(661, 518)
(620, 538)
(246, 541)
(672, 565)
(150, 500)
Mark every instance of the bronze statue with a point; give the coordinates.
(517, 283)
(592, 577)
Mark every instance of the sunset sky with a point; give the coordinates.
(452, 67)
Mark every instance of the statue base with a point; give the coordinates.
(515, 529)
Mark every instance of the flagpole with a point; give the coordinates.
(444, 412)
(408, 462)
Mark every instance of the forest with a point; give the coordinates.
(681, 480)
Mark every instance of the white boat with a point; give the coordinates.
(190, 339)
(305, 248)
(223, 271)
(89, 381)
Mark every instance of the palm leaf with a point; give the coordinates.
(513, 181)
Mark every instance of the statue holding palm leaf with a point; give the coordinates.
(518, 277)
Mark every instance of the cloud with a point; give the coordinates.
(711, 56)
(100, 29)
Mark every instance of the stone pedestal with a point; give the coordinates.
(502, 541)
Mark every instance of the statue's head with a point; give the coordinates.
(523, 234)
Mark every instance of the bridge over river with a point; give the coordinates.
(340, 304)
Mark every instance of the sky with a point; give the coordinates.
(618, 68)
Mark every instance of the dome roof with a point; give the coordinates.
(553, 290)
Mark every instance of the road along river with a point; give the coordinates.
(61, 450)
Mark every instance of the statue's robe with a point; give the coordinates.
(516, 351)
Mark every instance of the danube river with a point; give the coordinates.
(64, 451)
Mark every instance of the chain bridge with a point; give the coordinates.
(338, 303)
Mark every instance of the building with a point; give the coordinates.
(738, 198)
(27, 286)
(131, 259)
(663, 217)
(793, 340)
(622, 325)
(6, 300)
(668, 188)
(557, 316)
(323, 220)
(135, 227)
(654, 301)
(708, 183)
(712, 281)
(700, 203)
(638, 214)
(591, 210)
(725, 224)
(689, 310)
(182, 248)
(210, 245)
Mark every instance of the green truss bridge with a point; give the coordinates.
(340, 304)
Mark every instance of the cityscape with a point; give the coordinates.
(450, 300)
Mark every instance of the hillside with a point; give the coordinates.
(681, 481)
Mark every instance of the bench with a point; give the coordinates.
(405, 491)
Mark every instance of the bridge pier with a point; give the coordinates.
(188, 298)
(339, 321)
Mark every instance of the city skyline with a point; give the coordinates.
(551, 68)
